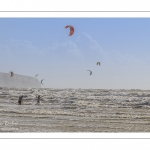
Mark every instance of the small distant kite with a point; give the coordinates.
(71, 30)
(36, 75)
(90, 71)
(12, 74)
(98, 63)
(41, 81)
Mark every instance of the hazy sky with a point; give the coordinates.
(42, 46)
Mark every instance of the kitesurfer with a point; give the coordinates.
(20, 100)
(38, 98)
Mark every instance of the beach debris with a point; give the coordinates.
(98, 63)
(71, 30)
(90, 71)
(42, 81)
(20, 100)
(12, 74)
(36, 75)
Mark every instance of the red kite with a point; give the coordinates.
(71, 30)
(12, 74)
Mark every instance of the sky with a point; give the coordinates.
(30, 46)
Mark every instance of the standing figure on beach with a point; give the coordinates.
(38, 98)
(12, 74)
(20, 100)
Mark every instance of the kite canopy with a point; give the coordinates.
(90, 71)
(36, 75)
(12, 74)
(41, 81)
(98, 63)
(71, 30)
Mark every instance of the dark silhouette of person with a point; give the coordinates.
(20, 100)
(38, 98)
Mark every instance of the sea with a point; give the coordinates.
(74, 110)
